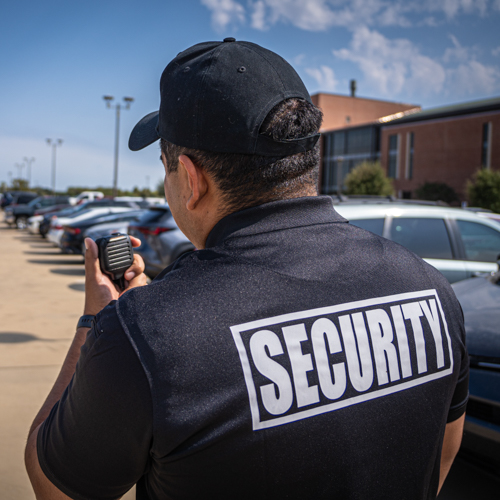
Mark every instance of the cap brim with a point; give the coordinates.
(144, 133)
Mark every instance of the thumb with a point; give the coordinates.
(92, 267)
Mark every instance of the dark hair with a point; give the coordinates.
(250, 180)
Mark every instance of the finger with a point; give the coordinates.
(136, 269)
(140, 280)
(136, 242)
(92, 267)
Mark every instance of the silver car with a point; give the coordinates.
(460, 244)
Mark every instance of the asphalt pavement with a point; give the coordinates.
(41, 301)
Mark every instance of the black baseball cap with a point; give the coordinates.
(215, 96)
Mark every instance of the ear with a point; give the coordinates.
(197, 182)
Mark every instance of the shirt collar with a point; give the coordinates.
(276, 215)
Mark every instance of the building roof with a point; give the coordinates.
(464, 108)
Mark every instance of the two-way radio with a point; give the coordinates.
(115, 256)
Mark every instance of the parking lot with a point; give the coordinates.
(41, 301)
(42, 298)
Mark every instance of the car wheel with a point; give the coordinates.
(21, 222)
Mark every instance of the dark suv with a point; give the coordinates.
(162, 242)
(18, 213)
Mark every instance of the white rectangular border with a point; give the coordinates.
(236, 331)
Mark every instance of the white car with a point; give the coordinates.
(460, 244)
(56, 226)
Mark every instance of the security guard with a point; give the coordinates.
(291, 356)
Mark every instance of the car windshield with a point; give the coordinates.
(32, 203)
(77, 213)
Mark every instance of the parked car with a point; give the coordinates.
(73, 233)
(34, 221)
(44, 224)
(17, 197)
(57, 224)
(480, 301)
(162, 242)
(457, 242)
(18, 214)
(86, 196)
(105, 229)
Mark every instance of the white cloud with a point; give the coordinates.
(457, 52)
(473, 77)
(496, 52)
(395, 67)
(258, 15)
(391, 66)
(225, 13)
(298, 60)
(319, 15)
(451, 8)
(325, 78)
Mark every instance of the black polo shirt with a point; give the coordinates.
(296, 356)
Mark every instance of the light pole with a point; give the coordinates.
(29, 161)
(19, 167)
(54, 143)
(128, 101)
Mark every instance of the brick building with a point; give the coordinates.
(446, 144)
(340, 111)
(350, 133)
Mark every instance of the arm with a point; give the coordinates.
(99, 291)
(451, 444)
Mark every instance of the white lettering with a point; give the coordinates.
(413, 312)
(301, 364)
(357, 351)
(433, 319)
(382, 337)
(402, 336)
(324, 330)
(276, 405)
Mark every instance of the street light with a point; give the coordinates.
(29, 161)
(128, 101)
(19, 167)
(54, 143)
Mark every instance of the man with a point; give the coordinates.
(291, 356)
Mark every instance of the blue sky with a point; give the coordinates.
(58, 58)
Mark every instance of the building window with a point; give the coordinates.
(409, 155)
(392, 164)
(343, 150)
(486, 145)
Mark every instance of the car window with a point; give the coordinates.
(373, 225)
(35, 202)
(427, 238)
(481, 242)
(152, 216)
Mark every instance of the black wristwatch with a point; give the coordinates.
(85, 321)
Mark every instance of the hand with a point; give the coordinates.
(99, 289)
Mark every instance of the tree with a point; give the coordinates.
(436, 191)
(368, 178)
(160, 188)
(20, 185)
(484, 190)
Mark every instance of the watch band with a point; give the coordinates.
(85, 321)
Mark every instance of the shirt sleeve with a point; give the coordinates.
(461, 395)
(95, 443)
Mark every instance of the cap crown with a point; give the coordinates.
(215, 96)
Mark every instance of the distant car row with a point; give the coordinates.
(67, 226)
